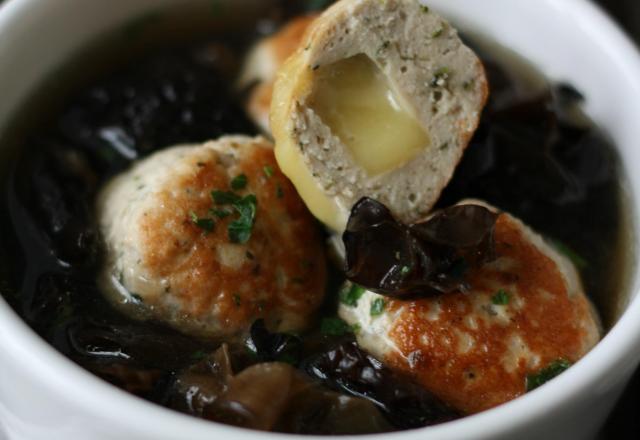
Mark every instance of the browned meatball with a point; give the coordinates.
(172, 253)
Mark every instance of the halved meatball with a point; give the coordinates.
(206, 265)
(474, 350)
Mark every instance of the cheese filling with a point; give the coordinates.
(355, 100)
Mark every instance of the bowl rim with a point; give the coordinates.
(77, 385)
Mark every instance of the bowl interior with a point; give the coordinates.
(566, 39)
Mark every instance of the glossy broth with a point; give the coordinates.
(534, 155)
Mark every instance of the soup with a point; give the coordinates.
(533, 155)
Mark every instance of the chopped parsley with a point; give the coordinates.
(405, 270)
(268, 170)
(237, 300)
(350, 295)
(279, 192)
(384, 46)
(240, 230)
(501, 298)
(440, 77)
(239, 182)
(425, 9)
(225, 197)
(206, 224)
(577, 260)
(554, 369)
(335, 327)
(437, 33)
(199, 355)
(377, 306)
(220, 213)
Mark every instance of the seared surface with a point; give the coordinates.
(472, 352)
(198, 280)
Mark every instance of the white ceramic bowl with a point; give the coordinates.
(43, 395)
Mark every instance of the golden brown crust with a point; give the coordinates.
(277, 48)
(201, 282)
(471, 364)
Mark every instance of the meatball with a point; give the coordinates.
(523, 312)
(262, 64)
(209, 266)
(379, 100)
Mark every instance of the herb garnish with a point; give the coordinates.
(268, 170)
(577, 260)
(220, 213)
(240, 229)
(239, 182)
(237, 300)
(350, 295)
(225, 197)
(335, 327)
(501, 298)
(425, 9)
(206, 224)
(440, 77)
(199, 355)
(546, 374)
(377, 306)
(437, 33)
(279, 192)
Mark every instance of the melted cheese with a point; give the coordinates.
(356, 101)
(293, 80)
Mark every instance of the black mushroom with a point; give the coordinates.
(427, 258)
(348, 369)
(271, 396)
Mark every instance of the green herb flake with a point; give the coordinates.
(279, 192)
(440, 77)
(405, 270)
(225, 197)
(377, 306)
(437, 33)
(220, 213)
(501, 298)
(424, 9)
(205, 224)
(268, 170)
(237, 300)
(198, 355)
(351, 294)
(554, 369)
(577, 260)
(240, 230)
(384, 46)
(334, 327)
(239, 182)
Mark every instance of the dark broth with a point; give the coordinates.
(147, 89)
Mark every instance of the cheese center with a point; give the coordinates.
(356, 101)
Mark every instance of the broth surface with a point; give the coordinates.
(533, 155)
